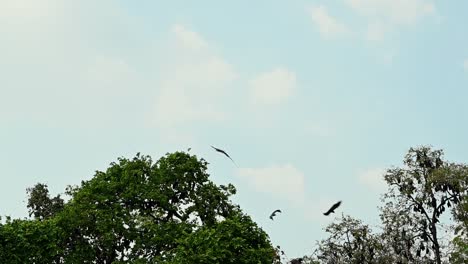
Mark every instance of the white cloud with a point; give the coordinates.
(401, 12)
(53, 62)
(190, 39)
(386, 15)
(26, 9)
(375, 32)
(192, 88)
(373, 179)
(283, 181)
(465, 65)
(327, 25)
(272, 87)
(109, 71)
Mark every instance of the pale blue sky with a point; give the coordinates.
(304, 95)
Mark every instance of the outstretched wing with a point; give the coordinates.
(274, 213)
(336, 205)
(332, 209)
(224, 152)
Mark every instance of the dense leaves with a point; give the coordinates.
(428, 185)
(29, 241)
(350, 241)
(138, 211)
(40, 204)
(235, 240)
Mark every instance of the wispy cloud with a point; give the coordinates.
(384, 16)
(272, 87)
(27, 9)
(190, 39)
(193, 87)
(375, 32)
(282, 181)
(327, 25)
(400, 12)
(373, 179)
(465, 65)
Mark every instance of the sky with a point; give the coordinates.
(313, 100)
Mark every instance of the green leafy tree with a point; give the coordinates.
(234, 240)
(40, 205)
(138, 211)
(400, 234)
(428, 186)
(459, 253)
(350, 241)
(29, 241)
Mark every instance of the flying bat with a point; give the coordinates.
(332, 209)
(274, 213)
(224, 152)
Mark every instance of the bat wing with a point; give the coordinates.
(332, 209)
(227, 155)
(224, 152)
(336, 205)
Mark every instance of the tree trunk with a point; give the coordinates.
(436, 243)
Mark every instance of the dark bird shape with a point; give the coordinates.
(274, 213)
(332, 209)
(224, 152)
(296, 261)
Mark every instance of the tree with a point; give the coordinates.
(400, 234)
(140, 211)
(459, 253)
(40, 204)
(350, 241)
(427, 185)
(29, 241)
(234, 240)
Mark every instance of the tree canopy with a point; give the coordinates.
(138, 211)
(419, 193)
(168, 211)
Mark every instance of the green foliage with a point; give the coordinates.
(427, 185)
(138, 211)
(40, 204)
(29, 241)
(350, 241)
(234, 240)
(460, 214)
(419, 194)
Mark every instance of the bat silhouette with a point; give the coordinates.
(332, 209)
(296, 261)
(274, 213)
(224, 152)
